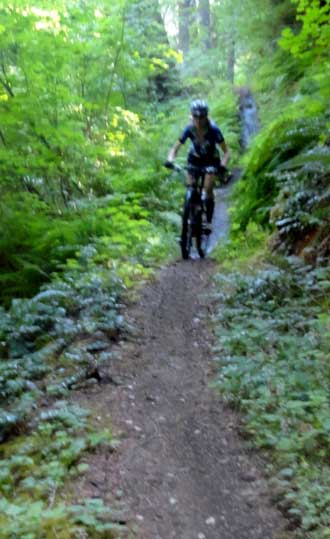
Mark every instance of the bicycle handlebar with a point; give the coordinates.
(173, 166)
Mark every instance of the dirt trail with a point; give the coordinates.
(181, 469)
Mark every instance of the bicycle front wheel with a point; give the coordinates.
(186, 233)
(199, 235)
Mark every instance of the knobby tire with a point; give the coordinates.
(187, 233)
(199, 235)
(191, 226)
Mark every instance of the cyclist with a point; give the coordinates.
(205, 137)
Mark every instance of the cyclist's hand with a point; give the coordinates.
(169, 164)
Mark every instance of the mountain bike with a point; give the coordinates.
(193, 211)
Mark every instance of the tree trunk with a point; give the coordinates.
(185, 8)
(205, 22)
(231, 60)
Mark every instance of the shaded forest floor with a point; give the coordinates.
(181, 470)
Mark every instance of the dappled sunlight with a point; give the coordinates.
(155, 240)
(50, 19)
(127, 118)
(98, 13)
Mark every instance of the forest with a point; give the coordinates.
(92, 96)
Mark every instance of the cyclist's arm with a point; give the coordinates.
(173, 151)
(226, 153)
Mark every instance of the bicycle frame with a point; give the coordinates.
(192, 214)
(193, 210)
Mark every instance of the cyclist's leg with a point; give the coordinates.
(209, 182)
(187, 225)
(189, 180)
(191, 174)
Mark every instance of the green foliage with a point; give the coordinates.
(280, 146)
(273, 349)
(35, 465)
(303, 203)
(86, 209)
(272, 324)
(224, 106)
(35, 244)
(285, 180)
(63, 522)
(70, 74)
(67, 74)
(40, 353)
(245, 34)
(243, 249)
(311, 42)
(44, 358)
(33, 469)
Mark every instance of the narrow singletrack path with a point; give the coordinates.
(181, 469)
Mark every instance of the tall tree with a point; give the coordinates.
(231, 59)
(144, 16)
(205, 22)
(66, 67)
(185, 18)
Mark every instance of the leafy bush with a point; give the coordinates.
(64, 522)
(285, 140)
(273, 347)
(43, 439)
(243, 249)
(35, 244)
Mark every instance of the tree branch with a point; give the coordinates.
(7, 87)
(115, 63)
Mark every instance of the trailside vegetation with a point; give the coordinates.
(85, 212)
(272, 325)
(286, 174)
(70, 135)
(92, 95)
(90, 102)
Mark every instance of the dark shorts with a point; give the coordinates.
(205, 162)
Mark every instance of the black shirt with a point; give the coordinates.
(204, 148)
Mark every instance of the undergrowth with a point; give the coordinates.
(291, 155)
(51, 344)
(55, 342)
(285, 181)
(35, 244)
(34, 468)
(243, 251)
(60, 340)
(273, 329)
